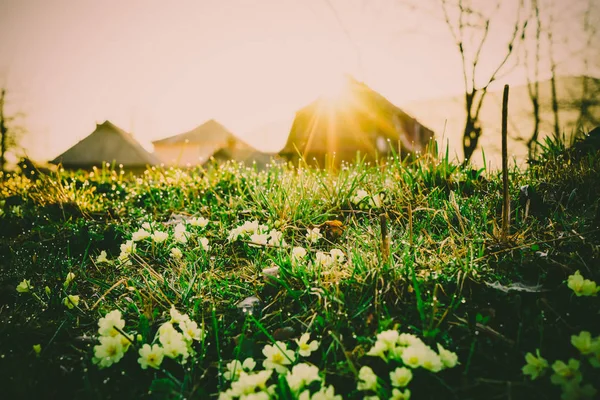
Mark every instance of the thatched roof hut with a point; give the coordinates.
(107, 143)
(358, 120)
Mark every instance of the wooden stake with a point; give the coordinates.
(505, 194)
(385, 238)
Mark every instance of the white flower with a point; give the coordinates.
(298, 253)
(102, 258)
(323, 259)
(337, 255)
(191, 331)
(302, 375)
(408, 339)
(204, 243)
(378, 349)
(147, 226)
(313, 235)
(173, 342)
(159, 236)
(359, 196)
(151, 356)
(277, 357)
(198, 221)
(71, 301)
(107, 324)
(235, 368)
(431, 361)
(304, 347)
(127, 248)
(412, 356)
(449, 358)
(249, 382)
(367, 380)
(276, 239)
(400, 377)
(25, 286)
(180, 234)
(176, 253)
(400, 395)
(258, 239)
(108, 352)
(140, 234)
(177, 317)
(326, 393)
(389, 338)
(69, 279)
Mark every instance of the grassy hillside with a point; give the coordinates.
(378, 282)
(446, 117)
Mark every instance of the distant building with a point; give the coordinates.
(211, 139)
(358, 121)
(106, 144)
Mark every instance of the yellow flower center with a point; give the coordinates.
(277, 358)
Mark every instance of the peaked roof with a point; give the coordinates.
(108, 143)
(362, 110)
(210, 131)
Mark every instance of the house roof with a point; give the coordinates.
(322, 123)
(209, 132)
(107, 143)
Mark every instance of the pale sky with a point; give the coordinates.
(158, 68)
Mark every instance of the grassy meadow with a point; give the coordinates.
(384, 281)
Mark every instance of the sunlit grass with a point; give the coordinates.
(440, 273)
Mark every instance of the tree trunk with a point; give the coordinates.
(472, 130)
(3, 134)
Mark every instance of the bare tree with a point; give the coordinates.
(9, 134)
(470, 29)
(590, 90)
(553, 65)
(533, 76)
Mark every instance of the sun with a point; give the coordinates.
(334, 89)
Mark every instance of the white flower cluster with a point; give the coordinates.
(248, 384)
(113, 343)
(363, 199)
(257, 234)
(325, 260)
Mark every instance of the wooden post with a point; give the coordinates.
(505, 194)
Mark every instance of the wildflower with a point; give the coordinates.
(400, 395)
(582, 287)
(582, 342)
(191, 331)
(431, 361)
(140, 234)
(176, 253)
(159, 236)
(277, 357)
(176, 317)
(389, 338)
(249, 382)
(47, 290)
(151, 356)
(566, 373)
(101, 259)
(378, 350)
(449, 358)
(69, 279)
(276, 239)
(147, 226)
(298, 253)
(326, 393)
(400, 377)
(413, 356)
(235, 368)
(204, 243)
(408, 339)
(258, 239)
(359, 196)
(304, 347)
(127, 248)
(200, 222)
(108, 352)
(37, 349)
(71, 301)
(173, 342)
(313, 235)
(367, 380)
(337, 256)
(323, 260)
(302, 375)
(180, 234)
(107, 324)
(24, 286)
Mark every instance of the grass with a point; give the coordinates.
(442, 273)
